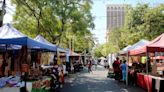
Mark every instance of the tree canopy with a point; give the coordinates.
(143, 22)
(56, 20)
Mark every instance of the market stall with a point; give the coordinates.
(154, 79)
(60, 51)
(133, 61)
(16, 62)
(58, 57)
(75, 61)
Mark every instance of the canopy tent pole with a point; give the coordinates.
(147, 68)
(23, 64)
(5, 58)
(127, 68)
(26, 54)
(147, 62)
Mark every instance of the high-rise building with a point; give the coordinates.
(115, 16)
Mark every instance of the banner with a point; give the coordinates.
(143, 60)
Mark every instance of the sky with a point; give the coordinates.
(98, 11)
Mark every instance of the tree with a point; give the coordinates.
(153, 22)
(143, 22)
(114, 37)
(114, 43)
(78, 42)
(133, 20)
(53, 18)
(97, 51)
(104, 50)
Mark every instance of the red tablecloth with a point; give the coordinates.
(144, 81)
(148, 82)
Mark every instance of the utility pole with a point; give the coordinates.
(2, 11)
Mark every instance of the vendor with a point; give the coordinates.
(133, 73)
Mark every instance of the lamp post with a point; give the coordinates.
(2, 11)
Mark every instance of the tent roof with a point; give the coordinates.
(102, 58)
(60, 49)
(135, 46)
(138, 44)
(7, 31)
(71, 53)
(158, 45)
(124, 50)
(10, 35)
(155, 45)
(41, 39)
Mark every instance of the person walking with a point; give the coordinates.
(90, 65)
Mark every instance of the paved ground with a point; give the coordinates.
(95, 82)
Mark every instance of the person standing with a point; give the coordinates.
(120, 73)
(106, 64)
(95, 63)
(116, 66)
(124, 70)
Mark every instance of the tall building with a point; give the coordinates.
(115, 16)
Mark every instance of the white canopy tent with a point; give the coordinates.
(11, 36)
(41, 39)
(134, 46)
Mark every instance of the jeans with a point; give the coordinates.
(124, 75)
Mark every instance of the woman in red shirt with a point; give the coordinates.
(116, 66)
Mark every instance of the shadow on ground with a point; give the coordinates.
(90, 82)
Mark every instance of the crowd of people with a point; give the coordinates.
(120, 69)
